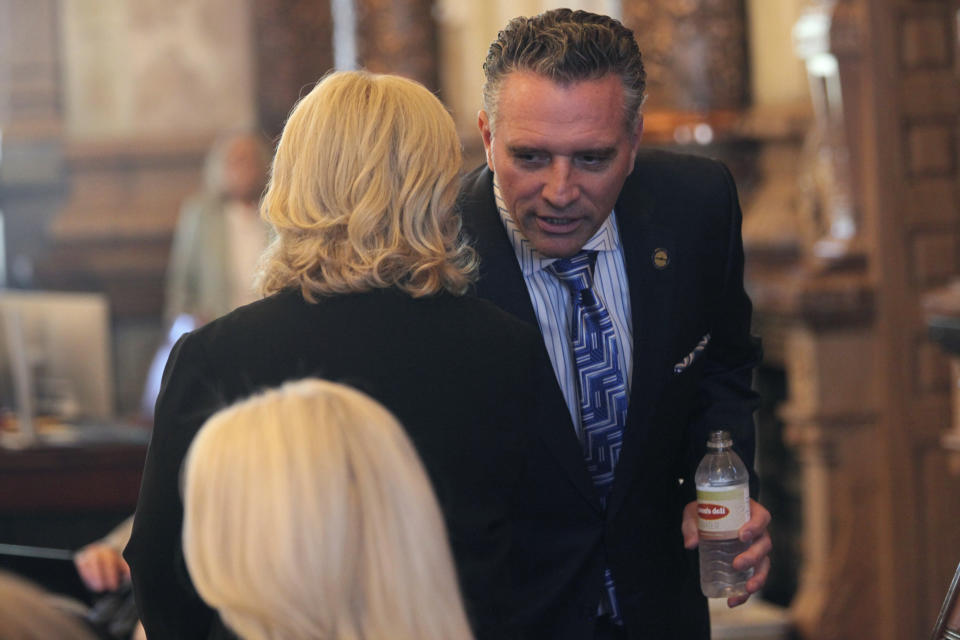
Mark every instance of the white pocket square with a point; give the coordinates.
(693, 355)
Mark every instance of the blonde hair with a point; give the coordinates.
(307, 514)
(362, 192)
(27, 612)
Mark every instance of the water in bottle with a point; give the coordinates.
(723, 497)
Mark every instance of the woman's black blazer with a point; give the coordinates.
(458, 373)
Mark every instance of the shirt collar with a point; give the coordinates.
(606, 238)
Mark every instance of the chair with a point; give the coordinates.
(948, 622)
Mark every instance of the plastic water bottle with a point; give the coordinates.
(723, 506)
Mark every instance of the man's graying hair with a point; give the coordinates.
(566, 47)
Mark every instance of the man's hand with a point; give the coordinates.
(101, 567)
(756, 556)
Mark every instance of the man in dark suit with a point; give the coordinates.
(598, 242)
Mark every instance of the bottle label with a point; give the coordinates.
(721, 512)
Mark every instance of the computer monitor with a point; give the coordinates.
(55, 354)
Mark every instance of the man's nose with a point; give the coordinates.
(560, 188)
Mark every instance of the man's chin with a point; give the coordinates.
(555, 241)
(553, 248)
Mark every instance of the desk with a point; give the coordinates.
(67, 496)
(74, 478)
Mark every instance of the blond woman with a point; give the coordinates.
(333, 528)
(365, 284)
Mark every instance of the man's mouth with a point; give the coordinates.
(550, 224)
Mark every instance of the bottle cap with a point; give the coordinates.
(719, 440)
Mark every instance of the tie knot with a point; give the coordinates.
(577, 271)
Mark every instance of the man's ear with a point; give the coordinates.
(483, 121)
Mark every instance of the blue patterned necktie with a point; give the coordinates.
(600, 381)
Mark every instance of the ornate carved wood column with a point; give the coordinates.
(399, 36)
(818, 327)
(815, 307)
(695, 53)
(294, 48)
(831, 421)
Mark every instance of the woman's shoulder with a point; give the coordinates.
(489, 312)
(488, 323)
(286, 314)
(258, 317)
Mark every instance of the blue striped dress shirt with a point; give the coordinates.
(554, 308)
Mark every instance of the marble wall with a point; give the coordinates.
(155, 68)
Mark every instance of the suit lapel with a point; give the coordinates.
(501, 282)
(650, 253)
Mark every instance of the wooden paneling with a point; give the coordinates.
(912, 121)
(931, 147)
(925, 38)
(925, 201)
(934, 256)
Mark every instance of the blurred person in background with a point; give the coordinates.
(219, 235)
(217, 244)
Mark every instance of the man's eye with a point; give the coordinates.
(531, 158)
(591, 160)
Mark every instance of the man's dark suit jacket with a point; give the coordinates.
(456, 371)
(683, 209)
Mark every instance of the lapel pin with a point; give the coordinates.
(660, 258)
